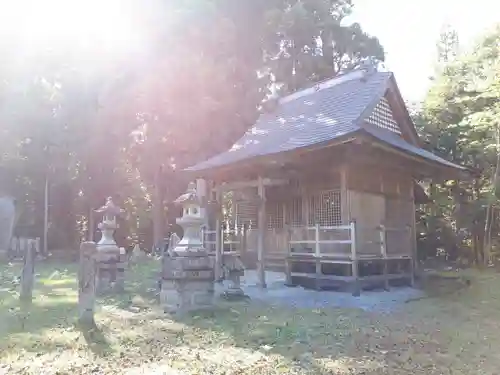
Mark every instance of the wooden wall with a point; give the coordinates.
(372, 195)
(291, 206)
(379, 196)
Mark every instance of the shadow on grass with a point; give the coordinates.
(95, 339)
(34, 317)
(141, 286)
(53, 304)
(299, 336)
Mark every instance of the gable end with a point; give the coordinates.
(383, 118)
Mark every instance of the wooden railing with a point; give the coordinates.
(317, 242)
(383, 232)
(319, 257)
(350, 258)
(224, 242)
(341, 247)
(19, 246)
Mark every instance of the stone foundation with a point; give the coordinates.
(110, 274)
(187, 283)
(179, 296)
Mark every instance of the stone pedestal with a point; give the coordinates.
(111, 260)
(28, 274)
(110, 270)
(234, 270)
(188, 271)
(7, 221)
(86, 284)
(187, 281)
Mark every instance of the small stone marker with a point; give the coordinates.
(86, 284)
(28, 273)
(234, 270)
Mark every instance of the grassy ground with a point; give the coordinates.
(455, 334)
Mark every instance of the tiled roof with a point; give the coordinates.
(313, 116)
(401, 144)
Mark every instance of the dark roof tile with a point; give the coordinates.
(316, 115)
(306, 118)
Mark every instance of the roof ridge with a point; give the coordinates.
(322, 85)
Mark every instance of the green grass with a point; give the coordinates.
(451, 334)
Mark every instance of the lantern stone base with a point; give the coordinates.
(187, 282)
(234, 290)
(110, 276)
(233, 271)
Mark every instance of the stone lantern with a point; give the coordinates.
(108, 225)
(188, 270)
(110, 259)
(191, 221)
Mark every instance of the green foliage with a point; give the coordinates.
(460, 120)
(310, 41)
(125, 127)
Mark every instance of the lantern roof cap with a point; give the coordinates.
(189, 196)
(110, 208)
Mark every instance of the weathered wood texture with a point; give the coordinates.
(87, 283)
(28, 273)
(261, 235)
(368, 210)
(381, 196)
(370, 189)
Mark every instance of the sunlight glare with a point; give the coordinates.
(92, 25)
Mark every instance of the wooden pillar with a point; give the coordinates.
(202, 193)
(354, 261)
(87, 284)
(261, 266)
(91, 226)
(304, 193)
(243, 242)
(383, 252)
(344, 195)
(219, 246)
(28, 272)
(413, 235)
(412, 260)
(288, 263)
(38, 248)
(317, 256)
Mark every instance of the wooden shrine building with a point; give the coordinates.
(325, 184)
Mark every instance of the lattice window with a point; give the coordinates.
(294, 212)
(247, 213)
(274, 212)
(325, 208)
(382, 117)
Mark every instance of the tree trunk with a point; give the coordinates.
(158, 222)
(489, 210)
(327, 46)
(46, 216)
(91, 229)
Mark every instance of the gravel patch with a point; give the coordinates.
(277, 293)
